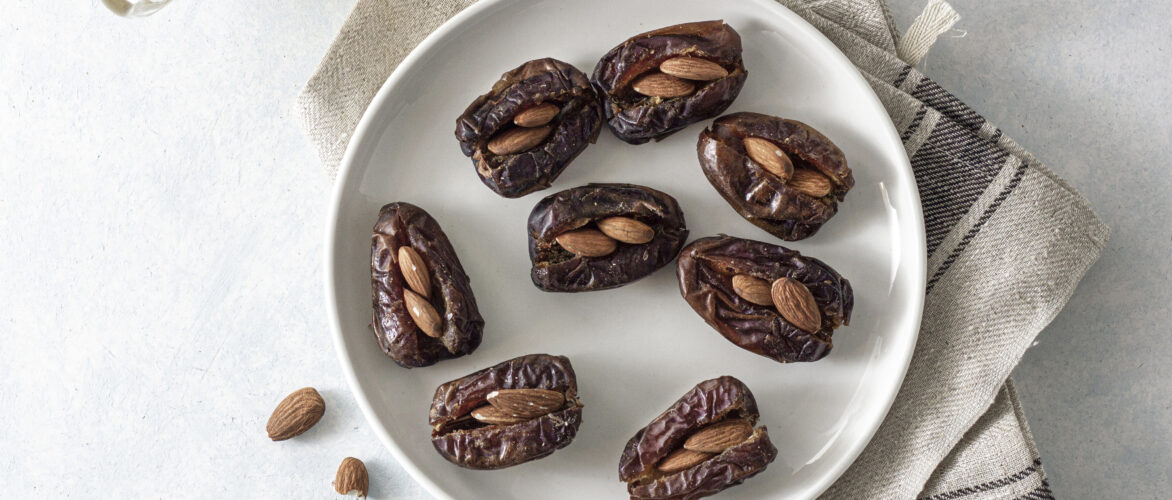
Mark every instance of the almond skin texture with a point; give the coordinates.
(796, 304)
(663, 86)
(296, 414)
(720, 436)
(536, 116)
(752, 289)
(626, 230)
(423, 314)
(810, 183)
(414, 271)
(693, 68)
(490, 414)
(770, 157)
(352, 478)
(526, 403)
(516, 140)
(587, 243)
(681, 459)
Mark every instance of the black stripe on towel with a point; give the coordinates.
(1000, 483)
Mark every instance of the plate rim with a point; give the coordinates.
(916, 259)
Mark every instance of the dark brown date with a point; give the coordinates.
(790, 203)
(659, 82)
(771, 325)
(602, 236)
(705, 442)
(406, 329)
(534, 122)
(473, 427)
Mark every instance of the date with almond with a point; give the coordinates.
(520, 410)
(781, 175)
(765, 298)
(707, 441)
(424, 309)
(524, 132)
(602, 236)
(659, 82)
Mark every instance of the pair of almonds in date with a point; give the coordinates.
(778, 163)
(511, 406)
(418, 290)
(675, 76)
(792, 299)
(531, 128)
(709, 441)
(604, 240)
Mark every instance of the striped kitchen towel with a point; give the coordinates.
(1008, 242)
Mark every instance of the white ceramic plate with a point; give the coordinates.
(638, 348)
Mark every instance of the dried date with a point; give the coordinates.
(765, 298)
(424, 310)
(530, 126)
(781, 175)
(659, 82)
(519, 410)
(704, 443)
(602, 236)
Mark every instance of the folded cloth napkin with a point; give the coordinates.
(1007, 243)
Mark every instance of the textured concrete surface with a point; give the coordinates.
(162, 219)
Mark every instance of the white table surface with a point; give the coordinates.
(162, 219)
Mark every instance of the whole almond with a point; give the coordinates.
(681, 459)
(526, 403)
(517, 139)
(296, 414)
(752, 289)
(720, 436)
(490, 414)
(536, 116)
(352, 478)
(796, 304)
(662, 85)
(414, 271)
(693, 68)
(626, 230)
(587, 243)
(770, 157)
(810, 182)
(423, 314)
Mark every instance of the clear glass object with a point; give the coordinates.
(135, 8)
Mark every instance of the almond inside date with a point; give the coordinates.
(418, 292)
(603, 241)
(676, 77)
(771, 157)
(790, 297)
(706, 443)
(513, 406)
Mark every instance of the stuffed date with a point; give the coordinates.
(519, 410)
(424, 310)
(534, 122)
(781, 175)
(659, 82)
(602, 236)
(765, 298)
(704, 443)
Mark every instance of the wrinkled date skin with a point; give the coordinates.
(475, 445)
(761, 197)
(705, 270)
(710, 401)
(637, 118)
(557, 270)
(576, 125)
(402, 224)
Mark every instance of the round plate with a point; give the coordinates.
(638, 348)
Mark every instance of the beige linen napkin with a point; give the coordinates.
(1007, 243)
